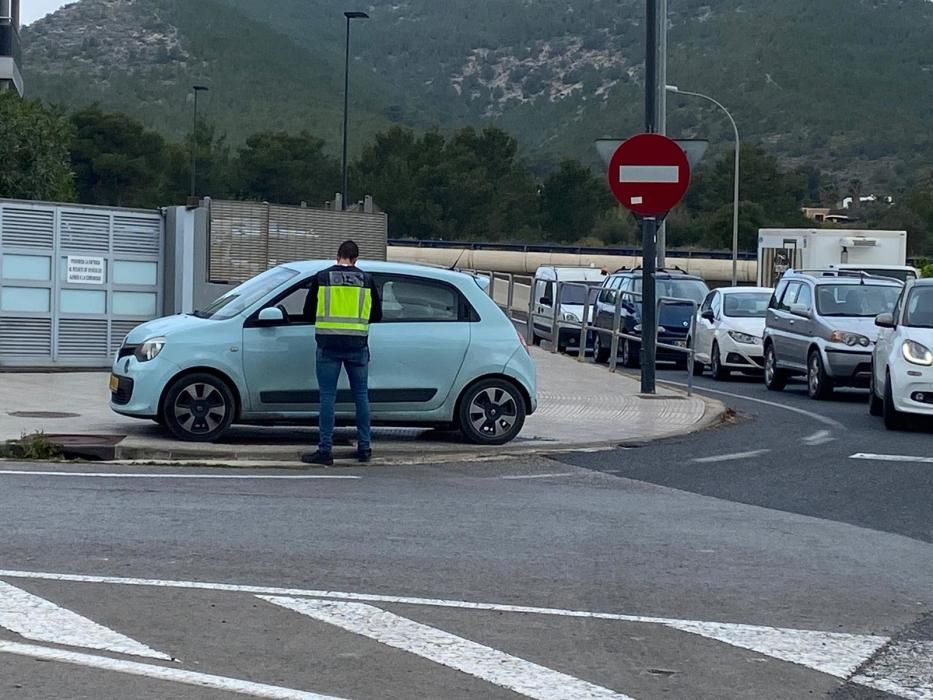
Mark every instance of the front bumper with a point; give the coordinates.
(908, 380)
(848, 366)
(140, 385)
(741, 356)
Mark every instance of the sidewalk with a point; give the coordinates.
(580, 406)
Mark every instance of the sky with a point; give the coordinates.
(31, 10)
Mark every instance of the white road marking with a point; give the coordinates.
(833, 653)
(773, 404)
(38, 619)
(904, 669)
(491, 665)
(239, 477)
(819, 438)
(695, 627)
(133, 668)
(892, 458)
(735, 456)
(537, 476)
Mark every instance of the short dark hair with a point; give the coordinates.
(348, 251)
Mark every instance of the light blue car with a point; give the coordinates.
(444, 356)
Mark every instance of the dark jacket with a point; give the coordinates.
(342, 342)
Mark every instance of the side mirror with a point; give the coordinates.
(884, 321)
(271, 316)
(708, 315)
(801, 310)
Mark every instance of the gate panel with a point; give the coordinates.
(50, 316)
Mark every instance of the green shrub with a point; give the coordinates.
(31, 447)
(927, 271)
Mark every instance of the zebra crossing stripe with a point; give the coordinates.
(40, 620)
(491, 665)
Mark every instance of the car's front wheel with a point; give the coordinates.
(600, 353)
(893, 419)
(198, 408)
(875, 404)
(630, 354)
(492, 412)
(720, 373)
(819, 384)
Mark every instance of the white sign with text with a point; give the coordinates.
(85, 270)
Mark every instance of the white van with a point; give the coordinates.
(568, 308)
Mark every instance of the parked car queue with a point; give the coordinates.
(831, 327)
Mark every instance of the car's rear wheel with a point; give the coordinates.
(893, 419)
(720, 373)
(599, 352)
(775, 377)
(819, 384)
(630, 356)
(875, 404)
(198, 408)
(492, 412)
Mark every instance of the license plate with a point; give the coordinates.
(680, 343)
(114, 383)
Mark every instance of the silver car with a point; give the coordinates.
(822, 325)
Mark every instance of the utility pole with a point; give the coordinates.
(346, 106)
(662, 113)
(194, 142)
(649, 225)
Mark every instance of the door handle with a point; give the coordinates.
(792, 322)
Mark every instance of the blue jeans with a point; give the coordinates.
(356, 363)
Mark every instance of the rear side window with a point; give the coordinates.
(414, 300)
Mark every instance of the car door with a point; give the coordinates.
(605, 305)
(543, 291)
(279, 358)
(705, 329)
(779, 323)
(800, 333)
(418, 349)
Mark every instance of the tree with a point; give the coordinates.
(214, 166)
(287, 169)
(572, 199)
(117, 161)
(34, 162)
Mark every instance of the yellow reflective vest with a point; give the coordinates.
(344, 303)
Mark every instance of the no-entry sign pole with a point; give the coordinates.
(649, 174)
(649, 224)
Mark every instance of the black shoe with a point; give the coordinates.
(364, 456)
(319, 458)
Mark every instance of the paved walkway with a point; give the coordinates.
(581, 405)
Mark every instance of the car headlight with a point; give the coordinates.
(744, 338)
(917, 354)
(850, 339)
(570, 317)
(150, 349)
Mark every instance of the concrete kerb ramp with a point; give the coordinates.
(581, 406)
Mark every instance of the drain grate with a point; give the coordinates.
(43, 414)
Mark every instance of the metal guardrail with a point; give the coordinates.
(586, 323)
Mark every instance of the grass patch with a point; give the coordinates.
(34, 447)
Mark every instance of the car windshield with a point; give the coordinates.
(750, 305)
(237, 300)
(856, 300)
(576, 295)
(920, 308)
(695, 290)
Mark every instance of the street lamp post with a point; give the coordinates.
(735, 203)
(346, 105)
(194, 141)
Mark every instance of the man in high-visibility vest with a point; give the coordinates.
(343, 300)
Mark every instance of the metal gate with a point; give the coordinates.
(74, 281)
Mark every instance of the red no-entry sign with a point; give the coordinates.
(649, 174)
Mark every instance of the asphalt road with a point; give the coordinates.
(758, 560)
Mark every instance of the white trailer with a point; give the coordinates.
(875, 252)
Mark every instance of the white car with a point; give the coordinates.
(902, 362)
(729, 327)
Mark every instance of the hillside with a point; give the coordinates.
(843, 84)
(143, 56)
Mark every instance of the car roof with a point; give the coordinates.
(853, 280)
(378, 266)
(572, 273)
(923, 282)
(660, 274)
